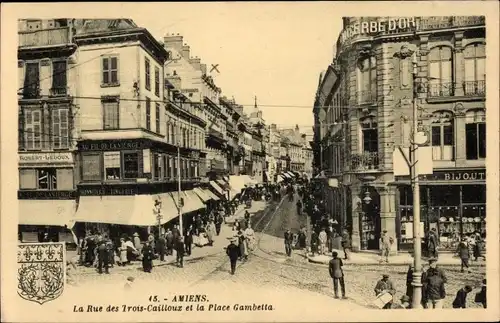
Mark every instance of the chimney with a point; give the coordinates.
(203, 68)
(195, 62)
(185, 51)
(173, 42)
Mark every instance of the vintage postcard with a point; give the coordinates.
(249, 161)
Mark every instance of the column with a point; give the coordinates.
(388, 213)
(356, 208)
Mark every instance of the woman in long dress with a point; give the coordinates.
(123, 252)
(210, 232)
(242, 243)
(147, 257)
(250, 238)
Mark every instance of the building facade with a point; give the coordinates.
(368, 109)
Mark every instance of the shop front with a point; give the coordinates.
(452, 202)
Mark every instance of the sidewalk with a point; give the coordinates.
(220, 241)
(404, 258)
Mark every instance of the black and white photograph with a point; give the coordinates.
(250, 161)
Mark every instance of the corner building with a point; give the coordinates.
(374, 110)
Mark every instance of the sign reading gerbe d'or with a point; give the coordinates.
(45, 158)
(370, 26)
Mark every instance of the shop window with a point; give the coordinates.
(157, 81)
(27, 179)
(65, 179)
(60, 128)
(147, 70)
(110, 70)
(111, 114)
(47, 179)
(474, 73)
(441, 72)
(130, 165)
(370, 135)
(157, 117)
(367, 82)
(112, 165)
(475, 134)
(442, 136)
(148, 113)
(91, 167)
(32, 129)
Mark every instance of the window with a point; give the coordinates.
(156, 166)
(172, 134)
(441, 72)
(91, 167)
(442, 136)
(184, 137)
(112, 165)
(475, 134)
(148, 114)
(475, 74)
(110, 70)
(369, 132)
(157, 81)
(174, 168)
(31, 87)
(168, 167)
(46, 179)
(367, 80)
(60, 128)
(111, 114)
(157, 118)
(33, 129)
(147, 68)
(130, 164)
(59, 81)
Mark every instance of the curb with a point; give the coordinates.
(398, 263)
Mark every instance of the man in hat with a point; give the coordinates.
(233, 252)
(179, 248)
(433, 284)
(161, 246)
(103, 257)
(137, 243)
(337, 274)
(288, 242)
(432, 243)
(405, 303)
(464, 253)
(385, 245)
(385, 286)
(346, 244)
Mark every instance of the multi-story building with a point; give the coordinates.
(294, 148)
(233, 156)
(372, 125)
(48, 168)
(307, 155)
(259, 136)
(274, 152)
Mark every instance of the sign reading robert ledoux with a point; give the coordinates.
(43, 158)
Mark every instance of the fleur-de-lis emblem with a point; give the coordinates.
(50, 253)
(28, 253)
(39, 253)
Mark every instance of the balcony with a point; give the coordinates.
(366, 97)
(364, 161)
(474, 88)
(441, 90)
(216, 165)
(31, 92)
(216, 134)
(44, 37)
(58, 91)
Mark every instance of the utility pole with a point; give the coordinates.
(180, 203)
(417, 247)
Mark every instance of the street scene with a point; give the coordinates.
(156, 167)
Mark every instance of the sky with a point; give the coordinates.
(269, 50)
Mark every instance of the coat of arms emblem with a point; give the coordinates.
(41, 272)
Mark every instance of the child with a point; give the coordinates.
(461, 298)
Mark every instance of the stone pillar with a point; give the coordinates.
(356, 209)
(388, 213)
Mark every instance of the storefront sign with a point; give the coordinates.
(46, 195)
(464, 176)
(45, 158)
(189, 90)
(376, 26)
(113, 145)
(93, 191)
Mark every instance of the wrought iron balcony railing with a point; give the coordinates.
(366, 97)
(59, 91)
(31, 92)
(437, 90)
(365, 161)
(44, 37)
(475, 88)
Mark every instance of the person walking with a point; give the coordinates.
(460, 300)
(210, 230)
(147, 257)
(346, 245)
(137, 242)
(433, 282)
(161, 247)
(169, 237)
(218, 222)
(314, 241)
(302, 239)
(233, 253)
(288, 242)
(323, 237)
(250, 237)
(179, 248)
(242, 244)
(188, 240)
(481, 295)
(385, 286)
(386, 242)
(432, 243)
(337, 274)
(123, 253)
(103, 257)
(478, 248)
(299, 207)
(464, 254)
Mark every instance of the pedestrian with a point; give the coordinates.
(433, 282)
(481, 296)
(250, 237)
(242, 244)
(464, 253)
(103, 257)
(210, 230)
(288, 242)
(302, 239)
(299, 207)
(218, 222)
(147, 257)
(176, 233)
(432, 243)
(337, 274)
(330, 239)
(314, 242)
(233, 253)
(137, 242)
(161, 246)
(385, 286)
(180, 251)
(460, 300)
(478, 248)
(404, 303)
(346, 244)
(323, 237)
(152, 242)
(122, 253)
(169, 237)
(188, 240)
(386, 242)
(198, 224)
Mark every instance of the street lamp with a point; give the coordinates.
(159, 215)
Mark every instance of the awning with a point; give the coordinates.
(47, 212)
(168, 208)
(211, 195)
(201, 194)
(124, 210)
(237, 183)
(292, 175)
(226, 178)
(286, 175)
(223, 184)
(190, 204)
(217, 188)
(198, 203)
(279, 179)
(248, 180)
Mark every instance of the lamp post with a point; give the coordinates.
(180, 203)
(159, 215)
